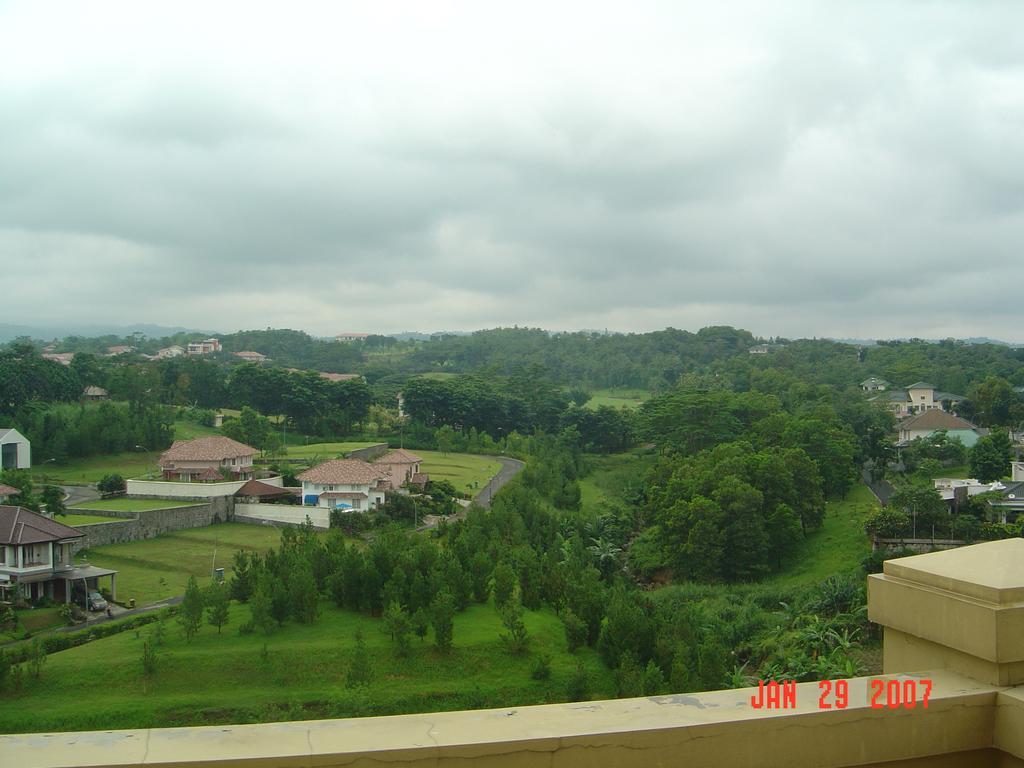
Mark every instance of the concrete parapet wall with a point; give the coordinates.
(369, 453)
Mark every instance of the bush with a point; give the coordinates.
(350, 523)
(578, 686)
(575, 630)
(888, 523)
(111, 484)
(540, 669)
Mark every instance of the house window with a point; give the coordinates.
(356, 503)
(3, 555)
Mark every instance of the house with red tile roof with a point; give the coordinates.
(208, 459)
(347, 484)
(402, 467)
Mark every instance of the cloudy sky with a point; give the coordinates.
(798, 168)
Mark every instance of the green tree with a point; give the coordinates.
(578, 686)
(443, 620)
(990, 457)
(398, 626)
(516, 636)
(302, 592)
(359, 671)
(190, 612)
(53, 499)
(923, 505)
(575, 630)
(217, 606)
(504, 583)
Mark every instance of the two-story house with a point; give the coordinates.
(874, 384)
(35, 558)
(917, 398)
(207, 459)
(402, 467)
(346, 484)
(930, 421)
(205, 347)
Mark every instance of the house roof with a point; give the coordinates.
(10, 432)
(920, 385)
(6, 490)
(934, 419)
(873, 380)
(216, 448)
(20, 526)
(940, 396)
(250, 355)
(265, 490)
(95, 392)
(398, 456)
(340, 471)
(339, 376)
(419, 478)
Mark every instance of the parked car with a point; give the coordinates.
(96, 602)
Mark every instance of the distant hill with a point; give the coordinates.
(9, 331)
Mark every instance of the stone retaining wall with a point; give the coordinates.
(149, 523)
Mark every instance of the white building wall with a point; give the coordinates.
(281, 513)
(168, 489)
(24, 448)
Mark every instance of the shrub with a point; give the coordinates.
(575, 630)
(888, 523)
(540, 669)
(111, 484)
(578, 686)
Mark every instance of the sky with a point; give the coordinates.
(847, 169)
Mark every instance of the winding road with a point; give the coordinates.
(509, 469)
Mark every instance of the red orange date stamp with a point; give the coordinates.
(835, 694)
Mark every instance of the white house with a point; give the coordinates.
(15, 450)
(205, 347)
(347, 484)
(917, 398)
(874, 384)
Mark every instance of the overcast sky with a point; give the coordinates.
(846, 169)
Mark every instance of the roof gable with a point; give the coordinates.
(344, 471)
(21, 526)
(935, 419)
(214, 448)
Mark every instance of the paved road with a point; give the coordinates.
(76, 494)
(509, 469)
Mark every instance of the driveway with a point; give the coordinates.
(76, 494)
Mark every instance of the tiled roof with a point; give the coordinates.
(934, 419)
(342, 471)
(398, 456)
(256, 488)
(92, 391)
(920, 385)
(20, 526)
(6, 490)
(216, 448)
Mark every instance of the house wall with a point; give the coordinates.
(282, 513)
(399, 473)
(1018, 470)
(168, 489)
(373, 498)
(150, 523)
(24, 460)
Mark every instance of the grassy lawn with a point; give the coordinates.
(467, 473)
(159, 568)
(295, 673)
(618, 398)
(73, 519)
(189, 430)
(131, 505)
(839, 545)
(325, 451)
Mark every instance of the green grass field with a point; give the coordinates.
(73, 518)
(324, 451)
(838, 547)
(155, 569)
(466, 472)
(618, 398)
(295, 673)
(130, 505)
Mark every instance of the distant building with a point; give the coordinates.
(207, 459)
(351, 336)
(15, 450)
(328, 376)
(917, 398)
(64, 358)
(402, 467)
(6, 492)
(168, 352)
(205, 347)
(119, 349)
(929, 422)
(874, 384)
(346, 484)
(94, 394)
(760, 349)
(251, 357)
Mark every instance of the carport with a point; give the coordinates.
(89, 575)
